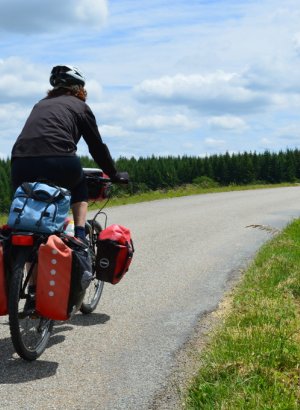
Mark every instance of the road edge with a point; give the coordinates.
(187, 359)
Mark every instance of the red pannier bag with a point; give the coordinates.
(53, 279)
(61, 277)
(97, 190)
(3, 285)
(114, 253)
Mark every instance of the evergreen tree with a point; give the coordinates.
(168, 172)
(5, 190)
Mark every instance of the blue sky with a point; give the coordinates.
(165, 78)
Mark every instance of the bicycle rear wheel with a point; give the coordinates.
(94, 291)
(30, 332)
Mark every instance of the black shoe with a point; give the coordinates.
(85, 241)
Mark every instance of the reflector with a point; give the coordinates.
(22, 240)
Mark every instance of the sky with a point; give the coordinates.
(196, 77)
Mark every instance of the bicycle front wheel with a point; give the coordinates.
(94, 291)
(30, 332)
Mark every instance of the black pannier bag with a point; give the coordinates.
(114, 253)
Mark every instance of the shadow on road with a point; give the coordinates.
(90, 320)
(16, 370)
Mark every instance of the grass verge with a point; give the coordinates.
(173, 193)
(253, 358)
(186, 190)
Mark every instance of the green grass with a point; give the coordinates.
(253, 358)
(173, 193)
(186, 191)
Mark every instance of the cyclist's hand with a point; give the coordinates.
(121, 178)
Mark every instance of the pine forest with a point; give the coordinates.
(153, 173)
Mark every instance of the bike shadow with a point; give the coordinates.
(91, 319)
(14, 370)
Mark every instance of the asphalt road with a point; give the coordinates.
(120, 357)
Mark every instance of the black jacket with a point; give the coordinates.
(54, 128)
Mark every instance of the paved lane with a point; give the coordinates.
(187, 249)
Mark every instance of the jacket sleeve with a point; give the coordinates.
(98, 150)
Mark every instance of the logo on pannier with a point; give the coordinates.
(104, 263)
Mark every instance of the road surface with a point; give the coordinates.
(187, 251)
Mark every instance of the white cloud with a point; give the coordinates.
(34, 16)
(12, 118)
(162, 122)
(296, 41)
(182, 85)
(11, 113)
(113, 131)
(93, 12)
(290, 133)
(266, 144)
(228, 122)
(224, 71)
(217, 93)
(112, 111)
(95, 90)
(20, 79)
(214, 143)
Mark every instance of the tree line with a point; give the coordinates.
(226, 169)
(152, 173)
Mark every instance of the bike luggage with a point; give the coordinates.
(98, 184)
(63, 275)
(39, 207)
(114, 253)
(3, 284)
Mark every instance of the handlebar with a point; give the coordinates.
(120, 178)
(99, 184)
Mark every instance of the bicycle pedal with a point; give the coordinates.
(28, 314)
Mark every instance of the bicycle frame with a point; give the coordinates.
(24, 247)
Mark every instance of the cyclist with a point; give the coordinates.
(46, 147)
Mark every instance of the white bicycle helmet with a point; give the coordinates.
(65, 76)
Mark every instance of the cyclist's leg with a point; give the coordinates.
(79, 210)
(79, 205)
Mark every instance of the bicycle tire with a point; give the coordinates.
(30, 332)
(95, 289)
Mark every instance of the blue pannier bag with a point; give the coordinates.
(39, 207)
